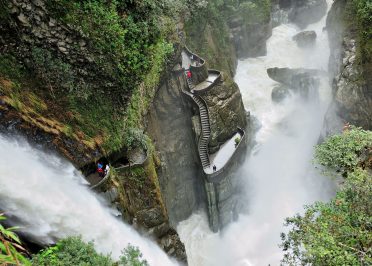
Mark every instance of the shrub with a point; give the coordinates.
(341, 152)
(131, 256)
(334, 233)
(71, 251)
(52, 71)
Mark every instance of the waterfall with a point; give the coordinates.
(278, 175)
(46, 197)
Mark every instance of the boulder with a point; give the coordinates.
(305, 12)
(299, 80)
(305, 38)
(150, 217)
(279, 93)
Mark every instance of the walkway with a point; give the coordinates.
(206, 83)
(227, 150)
(222, 156)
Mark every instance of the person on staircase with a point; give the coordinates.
(189, 74)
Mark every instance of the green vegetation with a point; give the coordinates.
(342, 152)
(363, 10)
(11, 251)
(101, 103)
(208, 27)
(73, 251)
(132, 257)
(122, 34)
(338, 232)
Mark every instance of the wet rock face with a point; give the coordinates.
(305, 39)
(31, 26)
(169, 124)
(299, 80)
(304, 12)
(279, 93)
(249, 40)
(226, 111)
(352, 97)
(351, 85)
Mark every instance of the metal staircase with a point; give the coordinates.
(205, 125)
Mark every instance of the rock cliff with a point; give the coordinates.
(226, 111)
(350, 71)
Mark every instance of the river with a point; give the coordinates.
(278, 175)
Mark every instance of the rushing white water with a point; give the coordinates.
(49, 202)
(279, 176)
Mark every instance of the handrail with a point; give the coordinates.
(106, 177)
(202, 61)
(133, 164)
(203, 133)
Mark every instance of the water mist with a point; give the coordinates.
(278, 175)
(46, 198)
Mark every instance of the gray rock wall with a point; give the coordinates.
(226, 111)
(170, 125)
(352, 96)
(249, 40)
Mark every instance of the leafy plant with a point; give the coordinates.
(131, 256)
(71, 251)
(341, 152)
(53, 72)
(334, 233)
(338, 232)
(237, 140)
(12, 252)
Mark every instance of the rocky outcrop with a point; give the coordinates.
(351, 85)
(299, 80)
(279, 93)
(305, 12)
(299, 12)
(226, 111)
(169, 124)
(249, 39)
(43, 132)
(36, 29)
(305, 39)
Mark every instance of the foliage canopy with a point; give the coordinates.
(337, 232)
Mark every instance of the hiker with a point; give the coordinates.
(189, 74)
(107, 169)
(100, 170)
(214, 168)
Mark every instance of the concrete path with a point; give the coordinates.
(206, 83)
(222, 156)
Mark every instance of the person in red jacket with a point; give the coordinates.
(189, 74)
(100, 170)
